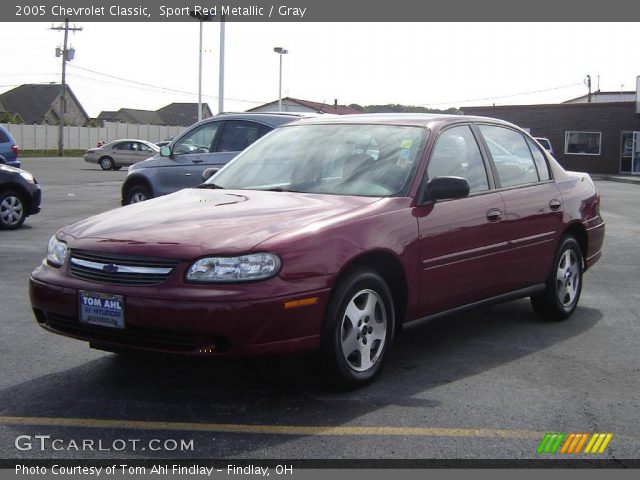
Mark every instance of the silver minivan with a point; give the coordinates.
(208, 144)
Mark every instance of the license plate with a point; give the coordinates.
(102, 309)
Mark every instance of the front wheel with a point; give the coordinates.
(358, 329)
(564, 285)
(137, 194)
(13, 211)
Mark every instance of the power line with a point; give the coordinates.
(503, 96)
(159, 87)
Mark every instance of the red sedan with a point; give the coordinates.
(329, 235)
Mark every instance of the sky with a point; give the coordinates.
(438, 65)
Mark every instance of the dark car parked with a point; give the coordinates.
(8, 148)
(19, 196)
(329, 236)
(209, 144)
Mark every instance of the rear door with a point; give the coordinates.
(460, 240)
(235, 136)
(532, 201)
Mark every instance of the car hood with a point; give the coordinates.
(195, 222)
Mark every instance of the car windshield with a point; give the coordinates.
(364, 160)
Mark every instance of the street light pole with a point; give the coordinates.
(280, 51)
(200, 76)
(221, 69)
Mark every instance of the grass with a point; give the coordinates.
(50, 153)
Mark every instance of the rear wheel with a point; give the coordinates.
(358, 329)
(13, 210)
(564, 285)
(107, 163)
(137, 194)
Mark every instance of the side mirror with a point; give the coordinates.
(165, 151)
(209, 172)
(445, 188)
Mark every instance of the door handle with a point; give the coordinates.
(555, 204)
(197, 161)
(494, 215)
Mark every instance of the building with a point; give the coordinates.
(178, 114)
(40, 104)
(597, 137)
(296, 105)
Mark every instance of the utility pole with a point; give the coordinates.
(587, 82)
(66, 54)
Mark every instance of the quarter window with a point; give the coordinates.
(511, 156)
(456, 153)
(582, 143)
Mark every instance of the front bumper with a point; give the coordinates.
(185, 320)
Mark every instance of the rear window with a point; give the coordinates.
(4, 137)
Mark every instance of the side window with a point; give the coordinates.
(122, 146)
(144, 148)
(511, 155)
(198, 140)
(538, 158)
(3, 138)
(456, 153)
(238, 135)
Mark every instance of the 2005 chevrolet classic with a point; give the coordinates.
(329, 235)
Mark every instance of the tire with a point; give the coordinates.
(138, 193)
(13, 210)
(358, 329)
(107, 163)
(564, 285)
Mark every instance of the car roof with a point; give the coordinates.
(128, 140)
(407, 119)
(272, 119)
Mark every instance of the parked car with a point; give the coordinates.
(19, 196)
(329, 236)
(119, 153)
(546, 144)
(208, 144)
(8, 148)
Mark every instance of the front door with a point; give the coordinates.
(635, 162)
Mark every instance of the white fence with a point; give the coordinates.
(45, 137)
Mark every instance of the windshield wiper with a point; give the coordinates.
(211, 186)
(280, 189)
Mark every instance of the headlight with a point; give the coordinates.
(56, 252)
(255, 266)
(28, 177)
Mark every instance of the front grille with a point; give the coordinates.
(132, 336)
(119, 269)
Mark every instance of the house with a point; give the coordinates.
(179, 114)
(131, 115)
(597, 137)
(290, 104)
(183, 114)
(605, 97)
(40, 104)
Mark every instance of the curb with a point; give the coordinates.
(608, 178)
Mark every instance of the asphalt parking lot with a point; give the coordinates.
(485, 384)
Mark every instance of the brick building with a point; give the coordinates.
(596, 137)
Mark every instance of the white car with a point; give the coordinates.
(119, 153)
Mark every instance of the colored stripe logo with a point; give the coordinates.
(573, 443)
